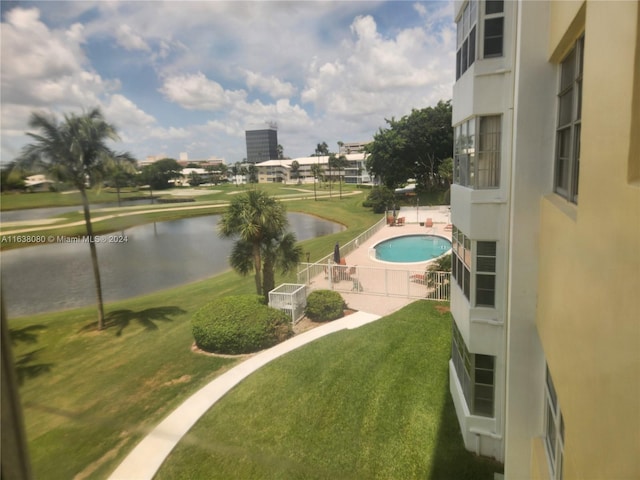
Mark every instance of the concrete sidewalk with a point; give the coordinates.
(146, 458)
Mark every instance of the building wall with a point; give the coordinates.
(588, 315)
(530, 177)
(262, 145)
(568, 276)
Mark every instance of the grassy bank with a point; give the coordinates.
(367, 403)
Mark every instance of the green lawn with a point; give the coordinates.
(367, 403)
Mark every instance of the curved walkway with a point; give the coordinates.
(146, 458)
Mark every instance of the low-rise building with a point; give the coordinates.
(281, 171)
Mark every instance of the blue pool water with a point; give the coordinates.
(412, 248)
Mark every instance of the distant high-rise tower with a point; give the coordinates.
(262, 143)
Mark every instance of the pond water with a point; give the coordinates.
(154, 257)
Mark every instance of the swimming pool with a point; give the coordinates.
(411, 248)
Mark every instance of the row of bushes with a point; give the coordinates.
(245, 324)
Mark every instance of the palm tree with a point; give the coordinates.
(331, 163)
(340, 163)
(235, 169)
(74, 151)
(120, 168)
(295, 170)
(223, 171)
(316, 171)
(260, 222)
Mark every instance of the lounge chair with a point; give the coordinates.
(429, 223)
(400, 221)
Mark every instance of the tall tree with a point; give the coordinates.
(73, 151)
(260, 224)
(322, 149)
(295, 169)
(235, 171)
(159, 174)
(340, 163)
(253, 173)
(120, 168)
(412, 147)
(223, 171)
(331, 164)
(316, 171)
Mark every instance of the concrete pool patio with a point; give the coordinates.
(375, 296)
(148, 455)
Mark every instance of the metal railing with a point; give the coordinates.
(432, 285)
(372, 280)
(310, 270)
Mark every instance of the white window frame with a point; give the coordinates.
(492, 16)
(554, 429)
(485, 272)
(468, 170)
(469, 371)
(568, 127)
(466, 38)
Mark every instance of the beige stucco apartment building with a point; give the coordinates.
(545, 368)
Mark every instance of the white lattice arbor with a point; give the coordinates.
(291, 298)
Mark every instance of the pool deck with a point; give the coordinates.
(363, 256)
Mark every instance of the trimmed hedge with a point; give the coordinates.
(324, 305)
(239, 324)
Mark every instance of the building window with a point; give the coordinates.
(466, 38)
(461, 261)
(488, 158)
(486, 274)
(493, 28)
(554, 429)
(569, 124)
(464, 153)
(477, 161)
(484, 270)
(476, 374)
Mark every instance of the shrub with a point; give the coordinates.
(239, 324)
(324, 305)
(379, 199)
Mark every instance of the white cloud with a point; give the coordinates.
(383, 75)
(197, 92)
(122, 112)
(31, 50)
(421, 9)
(269, 84)
(170, 133)
(129, 40)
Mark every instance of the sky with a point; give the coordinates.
(192, 76)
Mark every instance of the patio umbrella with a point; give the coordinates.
(336, 253)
